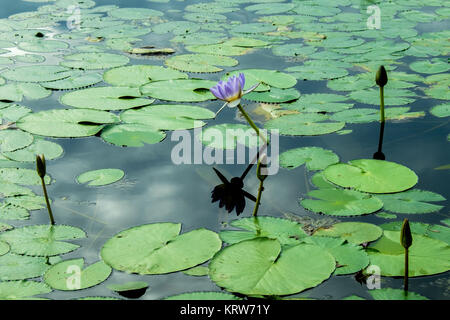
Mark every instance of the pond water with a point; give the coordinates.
(155, 190)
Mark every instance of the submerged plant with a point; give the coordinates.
(41, 170)
(381, 79)
(406, 241)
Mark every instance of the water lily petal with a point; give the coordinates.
(215, 91)
(242, 80)
(234, 104)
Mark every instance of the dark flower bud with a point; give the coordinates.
(405, 235)
(40, 165)
(381, 77)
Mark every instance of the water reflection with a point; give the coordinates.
(379, 155)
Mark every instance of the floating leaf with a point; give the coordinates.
(74, 82)
(51, 150)
(258, 267)
(192, 90)
(197, 271)
(4, 248)
(369, 175)
(131, 135)
(392, 97)
(285, 231)
(166, 250)
(18, 267)
(18, 91)
(138, 75)
(395, 294)
(134, 13)
(304, 124)
(353, 232)
(42, 45)
(106, 98)
(200, 62)
(22, 176)
(168, 117)
(434, 231)
(37, 73)
(435, 65)
(11, 212)
(426, 256)
(274, 95)
(101, 177)
(59, 275)
(266, 78)
(42, 240)
(20, 290)
(94, 60)
(315, 158)
(441, 111)
(12, 140)
(14, 112)
(66, 123)
(412, 201)
(228, 135)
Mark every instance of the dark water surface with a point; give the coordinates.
(156, 190)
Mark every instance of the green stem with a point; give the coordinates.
(251, 123)
(258, 198)
(405, 280)
(50, 213)
(382, 104)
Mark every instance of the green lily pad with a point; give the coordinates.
(12, 140)
(441, 111)
(274, 95)
(338, 202)
(51, 150)
(385, 215)
(321, 71)
(42, 240)
(138, 75)
(40, 45)
(18, 267)
(395, 294)
(129, 286)
(166, 250)
(350, 258)
(94, 60)
(61, 276)
(74, 82)
(134, 13)
(37, 73)
(200, 62)
(392, 97)
(22, 176)
(353, 232)
(309, 124)
(19, 91)
(369, 175)
(14, 112)
(315, 158)
(365, 115)
(27, 202)
(20, 290)
(101, 177)
(168, 117)
(434, 231)
(66, 123)
(266, 79)
(4, 248)
(176, 27)
(187, 90)
(11, 212)
(259, 267)
(131, 135)
(426, 256)
(106, 98)
(203, 296)
(285, 231)
(436, 65)
(411, 202)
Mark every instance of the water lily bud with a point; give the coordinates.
(262, 163)
(381, 77)
(405, 235)
(40, 165)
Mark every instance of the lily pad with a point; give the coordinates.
(188, 90)
(18, 267)
(426, 256)
(22, 176)
(42, 240)
(51, 150)
(434, 231)
(94, 60)
(101, 177)
(37, 73)
(259, 267)
(309, 124)
(61, 276)
(66, 123)
(4, 248)
(395, 294)
(266, 79)
(19, 290)
(166, 250)
(413, 201)
(131, 135)
(138, 75)
(12, 140)
(200, 62)
(315, 158)
(274, 95)
(199, 271)
(11, 212)
(19, 91)
(42, 45)
(285, 231)
(373, 176)
(441, 111)
(229, 135)
(106, 98)
(435, 65)
(168, 117)
(353, 232)
(134, 13)
(74, 82)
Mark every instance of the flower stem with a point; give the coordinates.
(258, 198)
(405, 279)
(50, 213)
(382, 103)
(251, 123)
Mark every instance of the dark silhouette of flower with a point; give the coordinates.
(230, 193)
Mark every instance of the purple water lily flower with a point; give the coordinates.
(231, 91)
